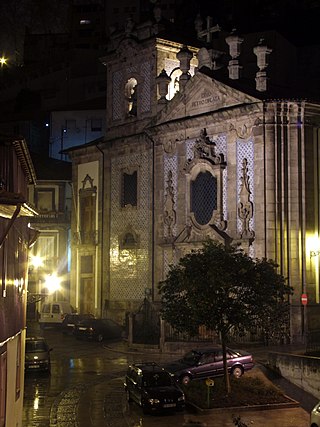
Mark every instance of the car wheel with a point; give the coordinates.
(99, 337)
(145, 409)
(185, 379)
(128, 396)
(237, 372)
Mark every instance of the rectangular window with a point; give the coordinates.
(45, 200)
(87, 216)
(96, 125)
(86, 264)
(3, 388)
(129, 189)
(18, 368)
(4, 266)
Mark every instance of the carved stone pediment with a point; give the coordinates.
(202, 94)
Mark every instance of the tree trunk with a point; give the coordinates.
(225, 366)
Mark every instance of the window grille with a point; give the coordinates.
(203, 197)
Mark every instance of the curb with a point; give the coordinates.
(291, 404)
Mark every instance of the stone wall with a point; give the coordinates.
(303, 371)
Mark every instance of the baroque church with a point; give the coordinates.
(210, 134)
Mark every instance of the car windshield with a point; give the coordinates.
(191, 358)
(34, 346)
(159, 379)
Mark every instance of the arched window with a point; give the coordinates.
(131, 96)
(203, 197)
(174, 84)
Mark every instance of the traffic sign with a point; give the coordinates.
(304, 299)
(209, 382)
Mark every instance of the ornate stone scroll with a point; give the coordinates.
(245, 206)
(169, 217)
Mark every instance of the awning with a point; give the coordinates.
(9, 202)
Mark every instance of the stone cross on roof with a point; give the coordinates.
(209, 30)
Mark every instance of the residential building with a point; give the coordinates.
(50, 255)
(16, 239)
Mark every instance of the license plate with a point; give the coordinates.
(82, 329)
(169, 405)
(69, 324)
(34, 366)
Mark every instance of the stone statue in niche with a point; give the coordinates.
(169, 216)
(245, 206)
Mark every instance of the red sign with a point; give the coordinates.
(304, 299)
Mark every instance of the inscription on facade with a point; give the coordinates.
(206, 98)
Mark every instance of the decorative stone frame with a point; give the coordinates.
(127, 81)
(124, 244)
(216, 171)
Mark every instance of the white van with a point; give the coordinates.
(53, 313)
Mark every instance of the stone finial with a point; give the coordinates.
(234, 42)
(129, 26)
(198, 23)
(204, 58)
(157, 12)
(163, 81)
(262, 51)
(184, 56)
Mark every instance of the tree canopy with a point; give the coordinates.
(224, 289)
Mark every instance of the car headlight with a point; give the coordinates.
(181, 398)
(153, 401)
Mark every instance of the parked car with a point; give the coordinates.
(315, 416)
(208, 362)
(71, 320)
(37, 355)
(153, 388)
(53, 313)
(98, 329)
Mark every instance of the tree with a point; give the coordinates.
(224, 289)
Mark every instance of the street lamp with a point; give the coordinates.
(52, 283)
(3, 61)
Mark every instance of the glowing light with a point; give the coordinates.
(3, 61)
(52, 283)
(36, 261)
(36, 403)
(313, 245)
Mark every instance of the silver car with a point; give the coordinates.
(315, 416)
(37, 355)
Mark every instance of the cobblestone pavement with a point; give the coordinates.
(102, 404)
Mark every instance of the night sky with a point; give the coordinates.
(296, 19)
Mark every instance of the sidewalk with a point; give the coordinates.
(104, 405)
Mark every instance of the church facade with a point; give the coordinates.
(203, 140)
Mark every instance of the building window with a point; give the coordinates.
(18, 368)
(4, 267)
(203, 197)
(3, 387)
(129, 189)
(86, 264)
(96, 125)
(87, 202)
(44, 199)
(131, 96)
